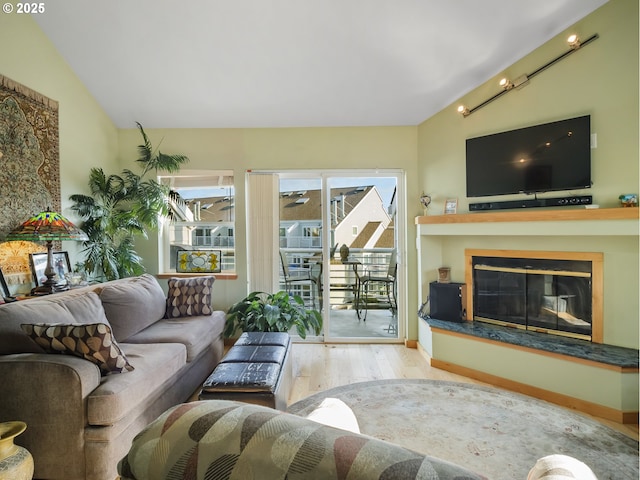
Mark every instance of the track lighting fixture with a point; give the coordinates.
(573, 41)
(506, 84)
(463, 110)
(523, 80)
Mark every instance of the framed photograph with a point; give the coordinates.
(61, 266)
(4, 289)
(450, 206)
(198, 261)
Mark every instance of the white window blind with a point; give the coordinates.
(262, 231)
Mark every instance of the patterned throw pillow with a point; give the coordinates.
(189, 297)
(92, 342)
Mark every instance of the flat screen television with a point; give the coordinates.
(542, 158)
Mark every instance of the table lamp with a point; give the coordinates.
(47, 227)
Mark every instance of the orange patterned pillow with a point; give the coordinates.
(93, 342)
(189, 297)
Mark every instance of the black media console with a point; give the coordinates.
(538, 202)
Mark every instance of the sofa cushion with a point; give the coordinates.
(247, 441)
(188, 297)
(132, 304)
(196, 333)
(156, 368)
(93, 342)
(67, 307)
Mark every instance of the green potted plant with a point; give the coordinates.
(272, 312)
(121, 208)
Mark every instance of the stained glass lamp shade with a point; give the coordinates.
(47, 227)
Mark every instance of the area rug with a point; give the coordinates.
(494, 432)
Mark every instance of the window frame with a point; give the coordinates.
(199, 180)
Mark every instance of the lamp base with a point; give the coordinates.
(48, 289)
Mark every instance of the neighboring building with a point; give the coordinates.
(358, 218)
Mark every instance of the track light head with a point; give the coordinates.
(506, 84)
(573, 41)
(523, 80)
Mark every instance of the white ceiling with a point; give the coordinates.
(294, 63)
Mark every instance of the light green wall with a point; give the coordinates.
(600, 80)
(600, 386)
(280, 149)
(88, 138)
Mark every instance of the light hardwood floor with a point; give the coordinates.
(318, 367)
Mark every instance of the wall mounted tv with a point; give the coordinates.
(542, 158)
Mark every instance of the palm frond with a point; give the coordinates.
(169, 163)
(145, 150)
(121, 208)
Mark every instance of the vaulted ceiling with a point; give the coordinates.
(294, 63)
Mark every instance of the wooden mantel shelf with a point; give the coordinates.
(560, 222)
(534, 216)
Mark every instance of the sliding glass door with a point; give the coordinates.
(340, 238)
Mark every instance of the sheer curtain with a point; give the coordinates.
(262, 231)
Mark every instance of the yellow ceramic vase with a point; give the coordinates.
(16, 463)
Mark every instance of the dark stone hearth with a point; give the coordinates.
(607, 354)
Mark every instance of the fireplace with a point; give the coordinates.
(551, 292)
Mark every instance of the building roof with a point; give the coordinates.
(294, 205)
(292, 208)
(304, 205)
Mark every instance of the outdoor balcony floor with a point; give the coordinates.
(345, 324)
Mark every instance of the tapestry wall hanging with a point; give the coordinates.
(29, 164)
(29, 154)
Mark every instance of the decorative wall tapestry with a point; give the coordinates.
(29, 154)
(29, 164)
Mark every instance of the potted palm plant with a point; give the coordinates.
(121, 208)
(272, 312)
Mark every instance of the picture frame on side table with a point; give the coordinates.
(61, 265)
(5, 296)
(450, 206)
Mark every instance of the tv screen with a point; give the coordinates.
(542, 158)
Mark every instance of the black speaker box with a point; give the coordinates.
(447, 301)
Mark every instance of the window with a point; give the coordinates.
(311, 232)
(203, 212)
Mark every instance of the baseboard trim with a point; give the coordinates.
(410, 343)
(542, 394)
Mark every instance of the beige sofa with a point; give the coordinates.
(82, 415)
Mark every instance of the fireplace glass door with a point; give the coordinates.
(553, 296)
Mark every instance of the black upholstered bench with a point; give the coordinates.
(257, 369)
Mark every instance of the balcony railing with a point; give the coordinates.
(217, 241)
(344, 278)
(297, 242)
